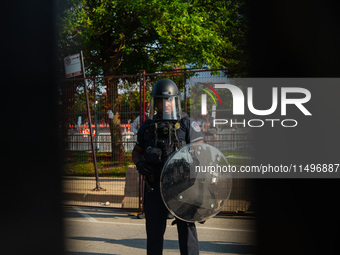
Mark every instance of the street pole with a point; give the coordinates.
(95, 118)
(141, 120)
(97, 188)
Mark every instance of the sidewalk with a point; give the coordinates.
(79, 190)
(117, 192)
(124, 192)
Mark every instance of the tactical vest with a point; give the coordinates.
(163, 134)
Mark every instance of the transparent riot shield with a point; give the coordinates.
(195, 182)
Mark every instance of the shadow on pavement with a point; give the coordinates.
(205, 246)
(87, 253)
(109, 213)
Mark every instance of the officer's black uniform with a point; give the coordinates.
(187, 131)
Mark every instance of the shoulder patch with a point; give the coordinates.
(195, 126)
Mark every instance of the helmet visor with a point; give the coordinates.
(165, 108)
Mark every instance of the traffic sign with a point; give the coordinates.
(73, 65)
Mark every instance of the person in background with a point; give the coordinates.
(209, 131)
(136, 123)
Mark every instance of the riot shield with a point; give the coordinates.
(195, 183)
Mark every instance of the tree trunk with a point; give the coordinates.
(111, 60)
(115, 129)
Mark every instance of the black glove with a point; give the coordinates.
(153, 156)
(144, 169)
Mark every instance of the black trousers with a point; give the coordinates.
(156, 218)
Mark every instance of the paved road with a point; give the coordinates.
(102, 231)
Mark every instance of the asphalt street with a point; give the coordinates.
(100, 231)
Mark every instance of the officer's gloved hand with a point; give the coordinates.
(144, 169)
(153, 156)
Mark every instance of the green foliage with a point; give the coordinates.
(125, 36)
(192, 32)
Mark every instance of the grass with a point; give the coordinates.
(239, 158)
(81, 164)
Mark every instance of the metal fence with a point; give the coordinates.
(114, 104)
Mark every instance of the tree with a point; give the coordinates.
(125, 36)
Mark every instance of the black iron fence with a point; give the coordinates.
(114, 103)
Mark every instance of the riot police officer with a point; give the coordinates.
(167, 130)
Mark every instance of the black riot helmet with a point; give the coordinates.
(165, 101)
